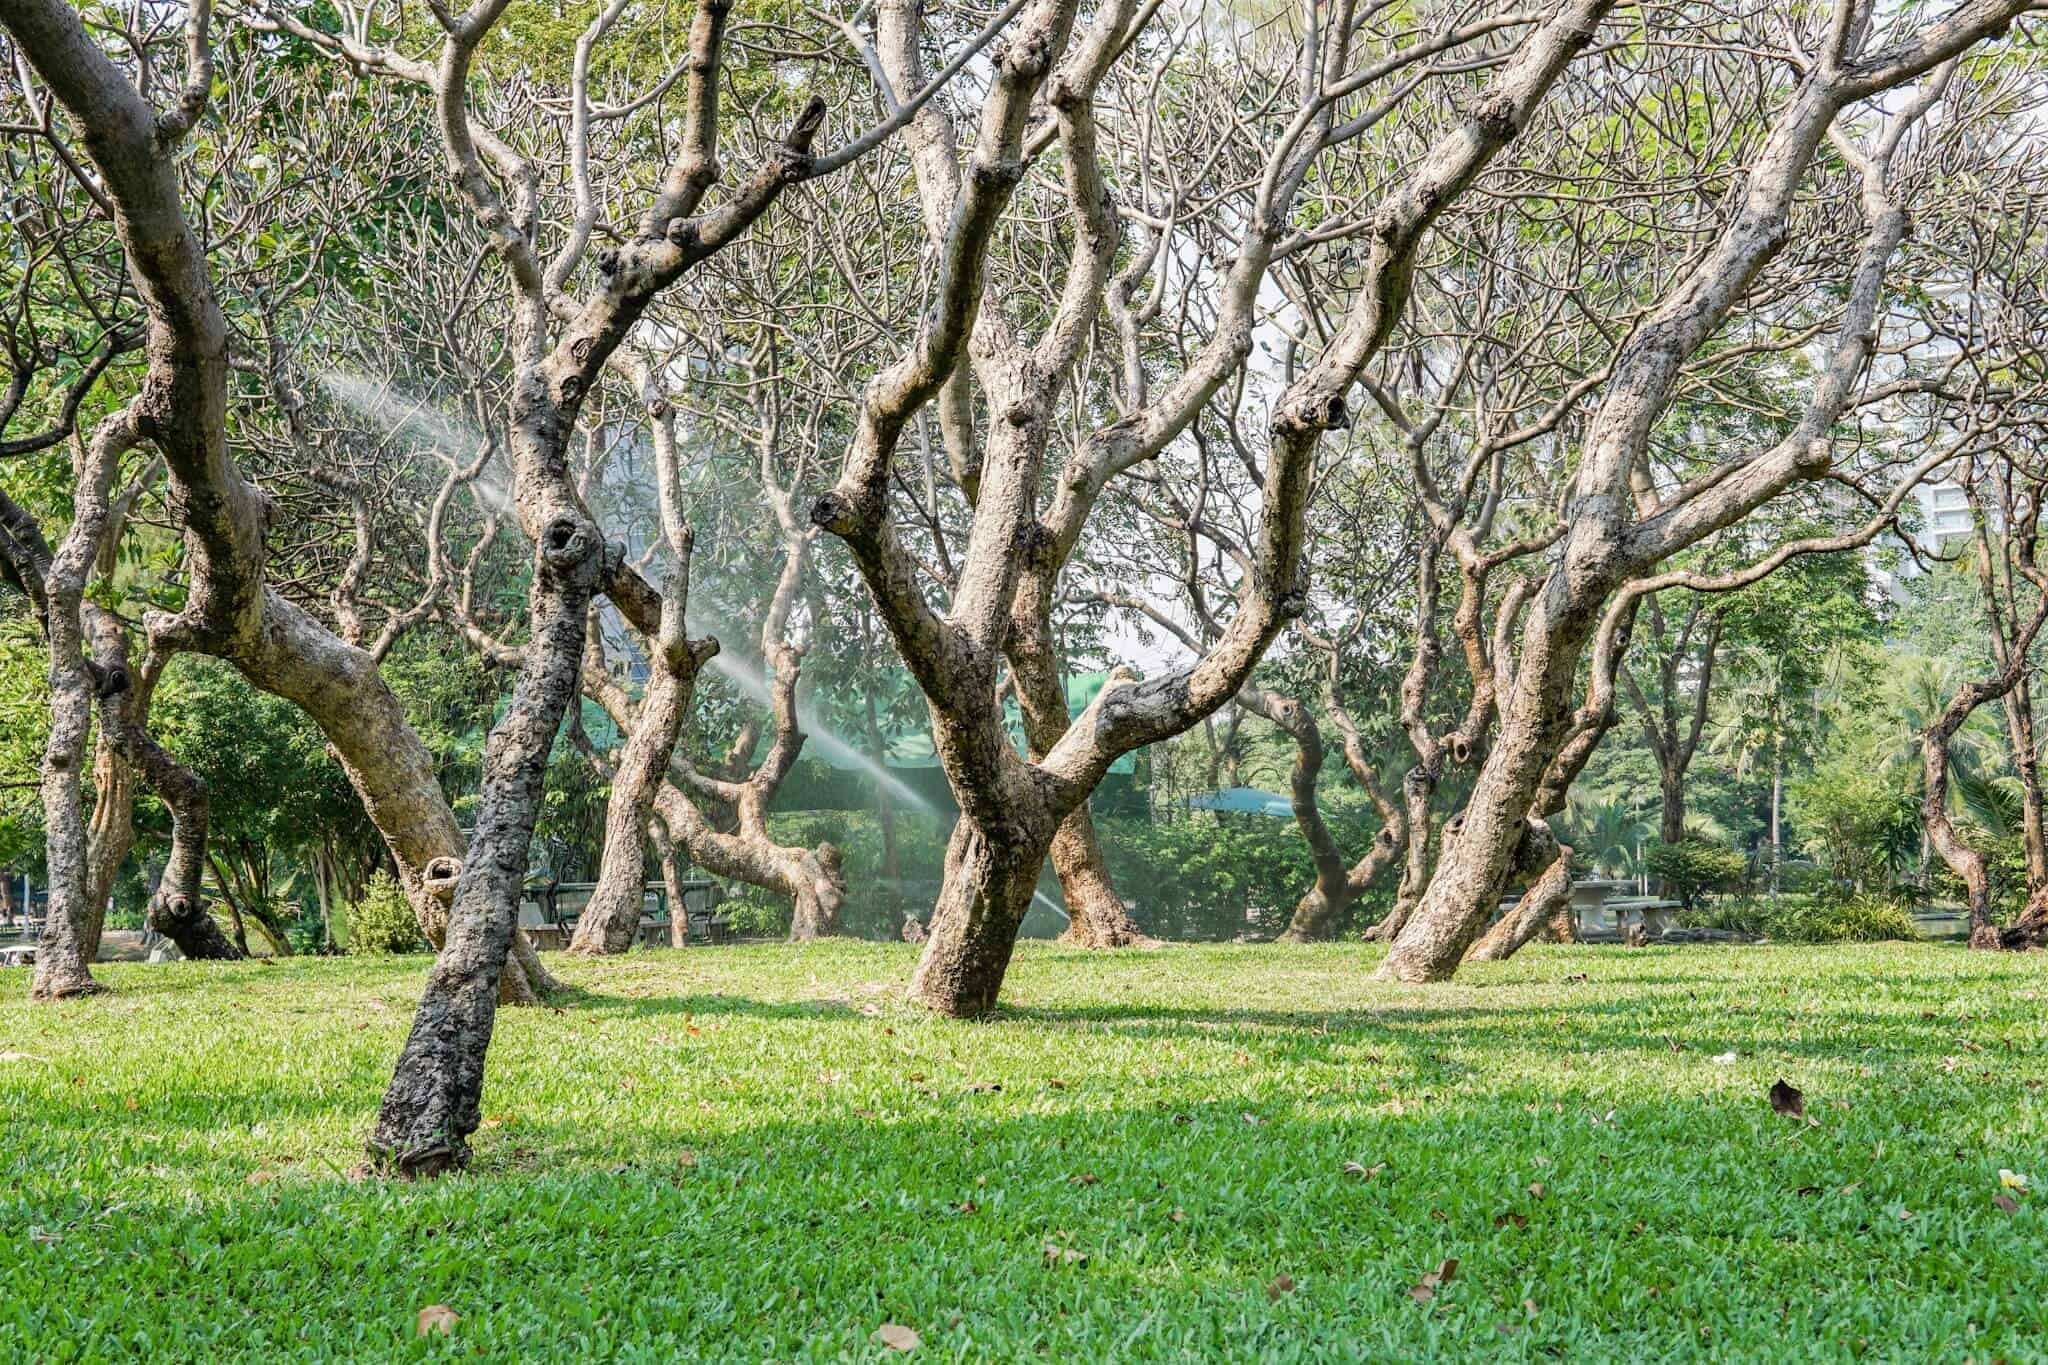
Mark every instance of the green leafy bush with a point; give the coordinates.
(1203, 877)
(1852, 919)
(1801, 918)
(1810, 919)
(1693, 867)
(756, 913)
(382, 921)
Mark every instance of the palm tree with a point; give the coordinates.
(1609, 833)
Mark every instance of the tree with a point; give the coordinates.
(2013, 506)
(1621, 526)
(1013, 806)
(181, 409)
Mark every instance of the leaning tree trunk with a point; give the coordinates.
(611, 921)
(1317, 913)
(432, 1105)
(1096, 914)
(991, 875)
(340, 688)
(1535, 724)
(1546, 901)
(178, 909)
(1320, 909)
(1968, 864)
(813, 879)
(1424, 841)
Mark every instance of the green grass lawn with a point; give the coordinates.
(761, 1154)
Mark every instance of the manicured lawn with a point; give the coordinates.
(760, 1154)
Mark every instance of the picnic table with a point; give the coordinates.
(1605, 909)
(549, 911)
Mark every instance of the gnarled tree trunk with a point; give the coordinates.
(1546, 900)
(178, 909)
(431, 1106)
(611, 921)
(991, 875)
(338, 685)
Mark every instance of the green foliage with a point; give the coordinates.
(1693, 867)
(24, 730)
(1206, 877)
(382, 921)
(755, 913)
(1851, 919)
(1607, 835)
(763, 1154)
(1810, 917)
(1856, 819)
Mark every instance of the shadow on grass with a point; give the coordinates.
(609, 1005)
(818, 1226)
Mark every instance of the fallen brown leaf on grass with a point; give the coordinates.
(1363, 1172)
(435, 1317)
(897, 1337)
(1059, 1255)
(1085, 1178)
(1279, 1285)
(2006, 1202)
(1518, 1220)
(1435, 1279)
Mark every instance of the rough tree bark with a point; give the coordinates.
(1548, 897)
(1618, 530)
(431, 1106)
(77, 681)
(181, 410)
(1010, 807)
(1546, 903)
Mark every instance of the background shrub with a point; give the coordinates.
(1691, 868)
(382, 921)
